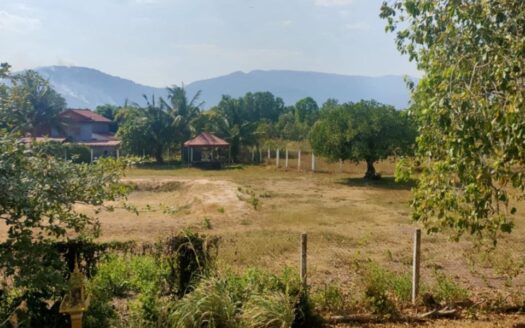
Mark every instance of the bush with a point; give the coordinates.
(138, 276)
(383, 289)
(447, 290)
(74, 152)
(329, 298)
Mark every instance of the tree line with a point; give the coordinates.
(364, 131)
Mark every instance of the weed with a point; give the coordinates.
(221, 210)
(206, 223)
(447, 290)
(330, 298)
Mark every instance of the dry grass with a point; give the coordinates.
(347, 220)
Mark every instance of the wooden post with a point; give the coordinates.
(168, 158)
(91, 153)
(191, 155)
(260, 156)
(304, 242)
(253, 155)
(313, 162)
(277, 159)
(299, 159)
(76, 319)
(269, 155)
(415, 265)
(286, 162)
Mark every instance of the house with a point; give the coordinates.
(90, 129)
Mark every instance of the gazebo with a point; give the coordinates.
(207, 151)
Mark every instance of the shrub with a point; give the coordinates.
(447, 290)
(188, 256)
(383, 289)
(329, 298)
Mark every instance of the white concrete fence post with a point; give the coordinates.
(286, 162)
(277, 159)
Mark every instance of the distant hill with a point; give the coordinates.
(87, 88)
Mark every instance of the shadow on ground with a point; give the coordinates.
(177, 165)
(388, 183)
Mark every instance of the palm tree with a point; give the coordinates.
(230, 124)
(182, 111)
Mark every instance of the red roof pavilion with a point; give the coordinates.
(206, 139)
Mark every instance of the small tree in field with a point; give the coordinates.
(365, 131)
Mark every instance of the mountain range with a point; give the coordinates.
(87, 88)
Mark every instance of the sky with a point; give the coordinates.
(165, 42)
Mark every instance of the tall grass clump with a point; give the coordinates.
(210, 304)
(253, 299)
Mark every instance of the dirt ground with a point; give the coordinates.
(259, 213)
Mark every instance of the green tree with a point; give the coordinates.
(146, 129)
(184, 112)
(469, 107)
(229, 122)
(364, 131)
(110, 112)
(306, 111)
(35, 105)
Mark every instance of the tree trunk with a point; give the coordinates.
(158, 156)
(371, 170)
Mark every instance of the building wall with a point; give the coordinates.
(100, 127)
(79, 131)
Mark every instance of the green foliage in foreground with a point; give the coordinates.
(38, 194)
(469, 107)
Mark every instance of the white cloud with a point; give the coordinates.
(332, 3)
(15, 23)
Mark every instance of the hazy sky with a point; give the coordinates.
(162, 42)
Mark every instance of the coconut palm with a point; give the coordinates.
(183, 112)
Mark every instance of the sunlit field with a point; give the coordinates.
(259, 213)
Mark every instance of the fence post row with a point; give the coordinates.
(303, 273)
(415, 265)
